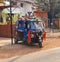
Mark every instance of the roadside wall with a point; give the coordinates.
(5, 30)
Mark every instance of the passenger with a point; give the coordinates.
(26, 30)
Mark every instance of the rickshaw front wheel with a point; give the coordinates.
(15, 40)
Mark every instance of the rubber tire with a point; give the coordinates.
(40, 44)
(15, 41)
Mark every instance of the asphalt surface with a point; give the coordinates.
(51, 55)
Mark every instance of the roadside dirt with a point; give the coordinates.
(19, 49)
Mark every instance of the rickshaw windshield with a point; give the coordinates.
(36, 25)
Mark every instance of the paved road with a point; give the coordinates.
(52, 55)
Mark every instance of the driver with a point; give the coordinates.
(40, 26)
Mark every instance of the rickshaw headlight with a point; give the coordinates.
(32, 35)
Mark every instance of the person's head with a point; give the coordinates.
(26, 18)
(19, 18)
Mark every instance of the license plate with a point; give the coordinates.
(39, 37)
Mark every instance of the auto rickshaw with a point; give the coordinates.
(30, 35)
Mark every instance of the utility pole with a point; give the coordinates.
(11, 23)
